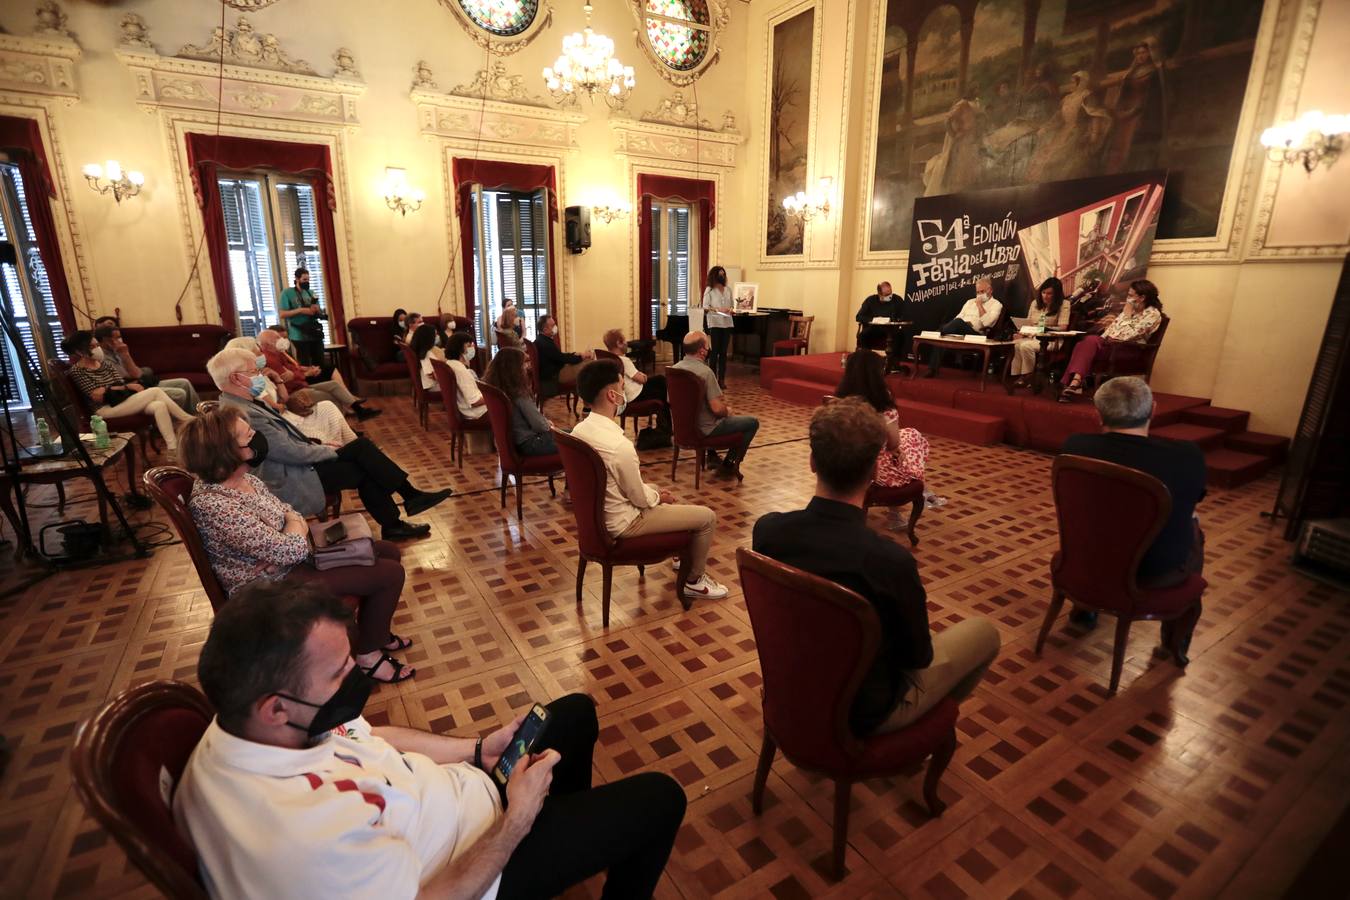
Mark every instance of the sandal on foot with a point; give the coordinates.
(395, 664)
(396, 643)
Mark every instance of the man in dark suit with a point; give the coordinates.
(1126, 408)
(884, 304)
(555, 366)
(830, 538)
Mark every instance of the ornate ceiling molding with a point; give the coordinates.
(675, 110)
(674, 144)
(43, 63)
(495, 83)
(248, 5)
(474, 119)
(501, 45)
(270, 88)
(719, 17)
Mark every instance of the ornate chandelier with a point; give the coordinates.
(587, 66)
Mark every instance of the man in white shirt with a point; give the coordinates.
(291, 793)
(978, 315)
(633, 508)
(637, 386)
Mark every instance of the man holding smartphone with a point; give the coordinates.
(300, 310)
(291, 792)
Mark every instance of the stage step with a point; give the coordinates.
(1207, 438)
(1271, 446)
(1230, 421)
(1230, 468)
(797, 390)
(958, 424)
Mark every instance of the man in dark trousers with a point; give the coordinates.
(1126, 408)
(913, 670)
(555, 366)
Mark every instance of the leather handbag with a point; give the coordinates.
(356, 548)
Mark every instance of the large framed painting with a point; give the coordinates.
(789, 118)
(1000, 93)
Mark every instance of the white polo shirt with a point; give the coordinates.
(630, 387)
(625, 494)
(348, 817)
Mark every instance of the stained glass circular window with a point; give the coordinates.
(504, 18)
(679, 32)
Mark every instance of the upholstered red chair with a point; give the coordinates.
(459, 425)
(120, 758)
(567, 390)
(141, 424)
(797, 616)
(1130, 359)
(642, 409)
(1109, 516)
(374, 354)
(513, 464)
(798, 340)
(685, 392)
(178, 351)
(586, 478)
(422, 398)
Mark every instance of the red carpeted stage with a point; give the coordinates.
(953, 406)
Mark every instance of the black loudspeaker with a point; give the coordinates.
(578, 222)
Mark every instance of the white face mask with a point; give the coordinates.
(284, 345)
(469, 352)
(620, 404)
(97, 353)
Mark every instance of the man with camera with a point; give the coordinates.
(300, 310)
(292, 792)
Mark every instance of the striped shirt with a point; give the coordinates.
(90, 380)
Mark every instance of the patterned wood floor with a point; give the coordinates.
(1218, 782)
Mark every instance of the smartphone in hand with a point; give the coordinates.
(524, 741)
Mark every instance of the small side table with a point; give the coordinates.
(986, 349)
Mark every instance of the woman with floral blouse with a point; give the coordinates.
(249, 534)
(1135, 325)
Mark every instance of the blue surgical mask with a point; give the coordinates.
(260, 361)
(469, 353)
(257, 385)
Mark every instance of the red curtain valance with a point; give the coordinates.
(684, 190)
(494, 174)
(209, 153)
(21, 139)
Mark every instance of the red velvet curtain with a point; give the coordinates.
(683, 190)
(494, 175)
(22, 141)
(208, 154)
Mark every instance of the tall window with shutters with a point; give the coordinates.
(510, 259)
(271, 230)
(674, 260)
(26, 287)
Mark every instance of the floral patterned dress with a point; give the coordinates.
(242, 532)
(897, 468)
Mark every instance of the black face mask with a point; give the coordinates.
(258, 444)
(345, 704)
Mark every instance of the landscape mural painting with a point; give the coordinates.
(1000, 93)
(789, 128)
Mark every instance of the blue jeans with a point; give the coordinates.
(955, 326)
(744, 425)
(538, 444)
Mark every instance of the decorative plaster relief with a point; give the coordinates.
(242, 46)
(39, 65)
(695, 146)
(473, 118)
(495, 83)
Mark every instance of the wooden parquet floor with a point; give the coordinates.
(1218, 782)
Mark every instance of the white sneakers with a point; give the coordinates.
(705, 588)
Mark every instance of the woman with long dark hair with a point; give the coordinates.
(717, 321)
(1048, 304)
(530, 431)
(398, 326)
(1134, 325)
(421, 344)
(903, 458)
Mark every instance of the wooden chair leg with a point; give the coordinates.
(581, 577)
(681, 578)
(642, 571)
(843, 788)
(503, 489)
(608, 580)
(675, 461)
(1056, 604)
(552, 488)
(1118, 652)
(936, 766)
(915, 510)
(520, 499)
(699, 456)
(61, 496)
(766, 753)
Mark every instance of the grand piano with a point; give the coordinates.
(752, 339)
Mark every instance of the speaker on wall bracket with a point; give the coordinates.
(577, 220)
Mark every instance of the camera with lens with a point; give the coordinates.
(321, 316)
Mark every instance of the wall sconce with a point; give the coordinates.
(400, 195)
(608, 212)
(807, 206)
(1310, 140)
(109, 177)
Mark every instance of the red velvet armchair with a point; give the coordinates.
(513, 464)
(459, 425)
(178, 351)
(686, 395)
(586, 478)
(141, 424)
(1109, 516)
(120, 756)
(422, 398)
(1119, 358)
(797, 616)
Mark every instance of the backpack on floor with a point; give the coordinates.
(649, 438)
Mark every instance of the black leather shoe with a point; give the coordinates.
(1083, 618)
(424, 500)
(362, 414)
(402, 531)
(711, 458)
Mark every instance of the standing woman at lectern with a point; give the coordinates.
(717, 321)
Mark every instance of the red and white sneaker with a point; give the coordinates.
(705, 588)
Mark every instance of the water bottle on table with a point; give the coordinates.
(100, 429)
(44, 436)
